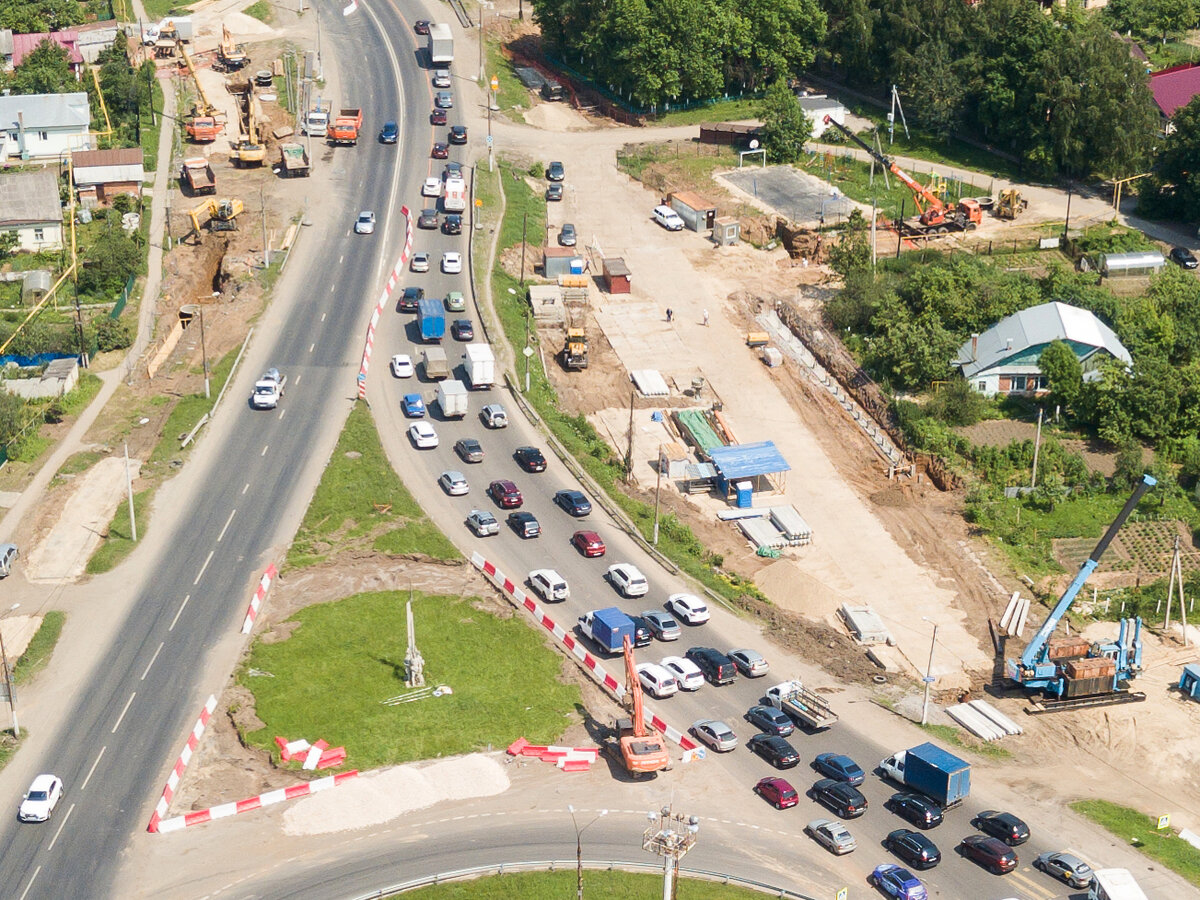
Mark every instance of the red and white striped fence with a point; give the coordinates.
(260, 594)
(385, 295)
(193, 741)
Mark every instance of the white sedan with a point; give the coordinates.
(402, 366)
(365, 224)
(657, 680)
(432, 187)
(41, 798)
(686, 672)
(688, 607)
(452, 262)
(420, 262)
(422, 435)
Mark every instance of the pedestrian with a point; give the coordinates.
(670, 314)
(706, 317)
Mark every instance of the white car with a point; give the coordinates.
(365, 224)
(657, 680)
(402, 366)
(668, 218)
(494, 416)
(686, 672)
(420, 262)
(41, 798)
(688, 607)
(454, 483)
(628, 580)
(452, 262)
(422, 435)
(432, 187)
(549, 585)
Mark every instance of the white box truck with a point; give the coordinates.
(454, 198)
(480, 366)
(441, 45)
(452, 398)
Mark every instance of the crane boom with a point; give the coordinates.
(204, 107)
(920, 192)
(633, 686)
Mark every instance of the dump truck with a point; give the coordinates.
(575, 349)
(480, 364)
(607, 628)
(268, 390)
(346, 126)
(432, 319)
(316, 120)
(198, 175)
(435, 364)
(441, 45)
(936, 773)
(293, 161)
(452, 398)
(801, 704)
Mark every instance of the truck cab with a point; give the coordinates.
(268, 390)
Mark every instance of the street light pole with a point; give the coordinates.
(204, 354)
(8, 683)
(928, 673)
(671, 838)
(579, 847)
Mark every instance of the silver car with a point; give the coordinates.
(715, 734)
(832, 835)
(8, 556)
(662, 625)
(749, 662)
(1066, 867)
(482, 523)
(454, 483)
(420, 262)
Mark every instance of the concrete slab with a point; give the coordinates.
(793, 194)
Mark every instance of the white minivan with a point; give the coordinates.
(668, 218)
(628, 580)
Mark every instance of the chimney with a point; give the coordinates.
(974, 345)
(21, 134)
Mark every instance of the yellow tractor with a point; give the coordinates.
(575, 349)
(1011, 204)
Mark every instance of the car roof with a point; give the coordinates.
(588, 535)
(43, 783)
(504, 484)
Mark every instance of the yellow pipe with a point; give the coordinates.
(38, 308)
(103, 105)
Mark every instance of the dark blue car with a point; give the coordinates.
(898, 882)
(839, 767)
(390, 133)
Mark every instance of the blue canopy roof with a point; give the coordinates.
(748, 460)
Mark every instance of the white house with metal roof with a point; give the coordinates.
(1004, 359)
(30, 206)
(44, 126)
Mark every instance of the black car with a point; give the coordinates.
(458, 134)
(452, 224)
(390, 133)
(462, 330)
(770, 720)
(919, 810)
(642, 635)
(428, 219)
(1002, 825)
(717, 667)
(469, 449)
(410, 298)
(525, 524)
(573, 503)
(844, 799)
(914, 848)
(554, 192)
(1184, 257)
(774, 750)
(452, 170)
(555, 171)
(530, 459)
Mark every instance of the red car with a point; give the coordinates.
(421, 26)
(991, 853)
(777, 792)
(440, 151)
(505, 494)
(588, 543)
(437, 117)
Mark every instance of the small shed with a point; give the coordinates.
(673, 460)
(617, 277)
(560, 261)
(1118, 265)
(546, 302)
(698, 213)
(727, 231)
(747, 462)
(816, 107)
(1189, 681)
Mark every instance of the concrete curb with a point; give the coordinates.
(384, 296)
(181, 764)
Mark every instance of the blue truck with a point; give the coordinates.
(431, 316)
(607, 628)
(936, 773)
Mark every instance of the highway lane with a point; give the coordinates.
(119, 739)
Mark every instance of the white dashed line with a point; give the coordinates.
(200, 574)
(31, 881)
(282, 413)
(298, 377)
(221, 536)
(310, 347)
(322, 317)
(149, 664)
(121, 717)
(178, 614)
(264, 453)
(92, 770)
(61, 826)
(246, 488)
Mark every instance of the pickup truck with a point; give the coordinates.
(345, 127)
(607, 628)
(936, 773)
(268, 390)
(801, 704)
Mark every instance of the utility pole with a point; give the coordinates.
(8, 682)
(524, 230)
(129, 493)
(262, 198)
(928, 674)
(629, 445)
(1037, 444)
(1067, 220)
(657, 497)
(579, 848)
(203, 354)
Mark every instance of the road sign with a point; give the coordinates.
(1164, 822)
(478, 202)
(489, 141)
(495, 83)
(528, 351)
(842, 894)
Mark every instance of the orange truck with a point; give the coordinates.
(346, 126)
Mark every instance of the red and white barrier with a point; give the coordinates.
(232, 809)
(393, 280)
(577, 649)
(351, 8)
(260, 594)
(193, 741)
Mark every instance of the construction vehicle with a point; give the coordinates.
(345, 127)
(221, 215)
(230, 56)
(641, 750)
(250, 150)
(575, 349)
(204, 124)
(293, 161)
(198, 175)
(1072, 672)
(934, 216)
(316, 120)
(1011, 204)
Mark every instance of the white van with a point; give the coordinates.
(1115, 884)
(657, 680)
(668, 218)
(549, 585)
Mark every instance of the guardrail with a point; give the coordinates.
(569, 865)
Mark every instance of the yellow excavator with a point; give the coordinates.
(231, 56)
(220, 215)
(204, 124)
(642, 750)
(249, 149)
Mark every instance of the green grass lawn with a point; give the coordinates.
(158, 9)
(511, 93)
(41, 646)
(330, 676)
(1138, 830)
(119, 542)
(558, 885)
(260, 10)
(152, 131)
(722, 111)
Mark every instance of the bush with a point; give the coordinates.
(112, 334)
(537, 170)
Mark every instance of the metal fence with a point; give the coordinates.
(123, 300)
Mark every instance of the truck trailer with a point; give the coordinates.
(936, 773)
(431, 316)
(806, 706)
(480, 364)
(452, 399)
(607, 628)
(441, 45)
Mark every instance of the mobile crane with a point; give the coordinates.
(641, 750)
(934, 217)
(203, 124)
(1073, 673)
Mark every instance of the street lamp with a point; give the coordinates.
(8, 682)
(579, 847)
(928, 671)
(671, 838)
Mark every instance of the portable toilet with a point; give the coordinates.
(577, 266)
(1189, 681)
(745, 494)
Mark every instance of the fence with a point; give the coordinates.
(123, 300)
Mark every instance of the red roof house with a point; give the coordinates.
(1172, 88)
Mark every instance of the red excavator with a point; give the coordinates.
(642, 750)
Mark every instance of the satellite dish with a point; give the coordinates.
(754, 143)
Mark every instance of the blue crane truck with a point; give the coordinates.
(607, 628)
(938, 774)
(432, 318)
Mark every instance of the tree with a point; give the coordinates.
(1151, 18)
(8, 242)
(12, 417)
(853, 252)
(1128, 468)
(935, 90)
(46, 70)
(110, 261)
(957, 403)
(1063, 369)
(1177, 178)
(785, 126)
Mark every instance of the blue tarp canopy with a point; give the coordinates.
(748, 460)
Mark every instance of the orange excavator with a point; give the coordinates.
(934, 216)
(643, 750)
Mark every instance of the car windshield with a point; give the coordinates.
(39, 795)
(264, 389)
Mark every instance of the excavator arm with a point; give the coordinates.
(633, 687)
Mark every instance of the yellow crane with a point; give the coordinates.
(204, 124)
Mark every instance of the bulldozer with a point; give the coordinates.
(250, 150)
(220, 215)
(1011, 204)
(575, 349)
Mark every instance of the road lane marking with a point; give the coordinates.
(31, 881)
(341, 259)
(61, 826)
(121, 717)
(149, 664)
(332, 288)
(246, 488)
(310, 347)
(221, 536)
(200, 575)
(282, 413)
(264, 453)
(301, 375)
(92, 770)
(322, 317)
(181, 606)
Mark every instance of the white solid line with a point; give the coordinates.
(310, 347)
(181, 606)
(149, 664)
(232, 513)
(200, 574)
(298, 377)
(246, 488)
(264, 453)
(121, 717)
(92, 770)
(31, 881)
(282, 413)
(61, 826)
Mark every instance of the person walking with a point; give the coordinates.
(706, 317)
(670, 314)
